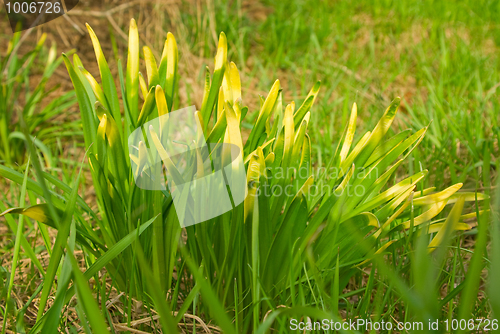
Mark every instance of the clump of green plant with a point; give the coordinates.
(19, 98)
(295, 241)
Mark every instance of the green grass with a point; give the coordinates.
(27, 96)
(440, 57)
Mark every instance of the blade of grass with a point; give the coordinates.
(166, 319)
(476, 265)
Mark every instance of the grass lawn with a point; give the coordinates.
(86, 248)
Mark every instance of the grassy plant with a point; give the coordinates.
(440, 57)
(19, 98)
(301, 234)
